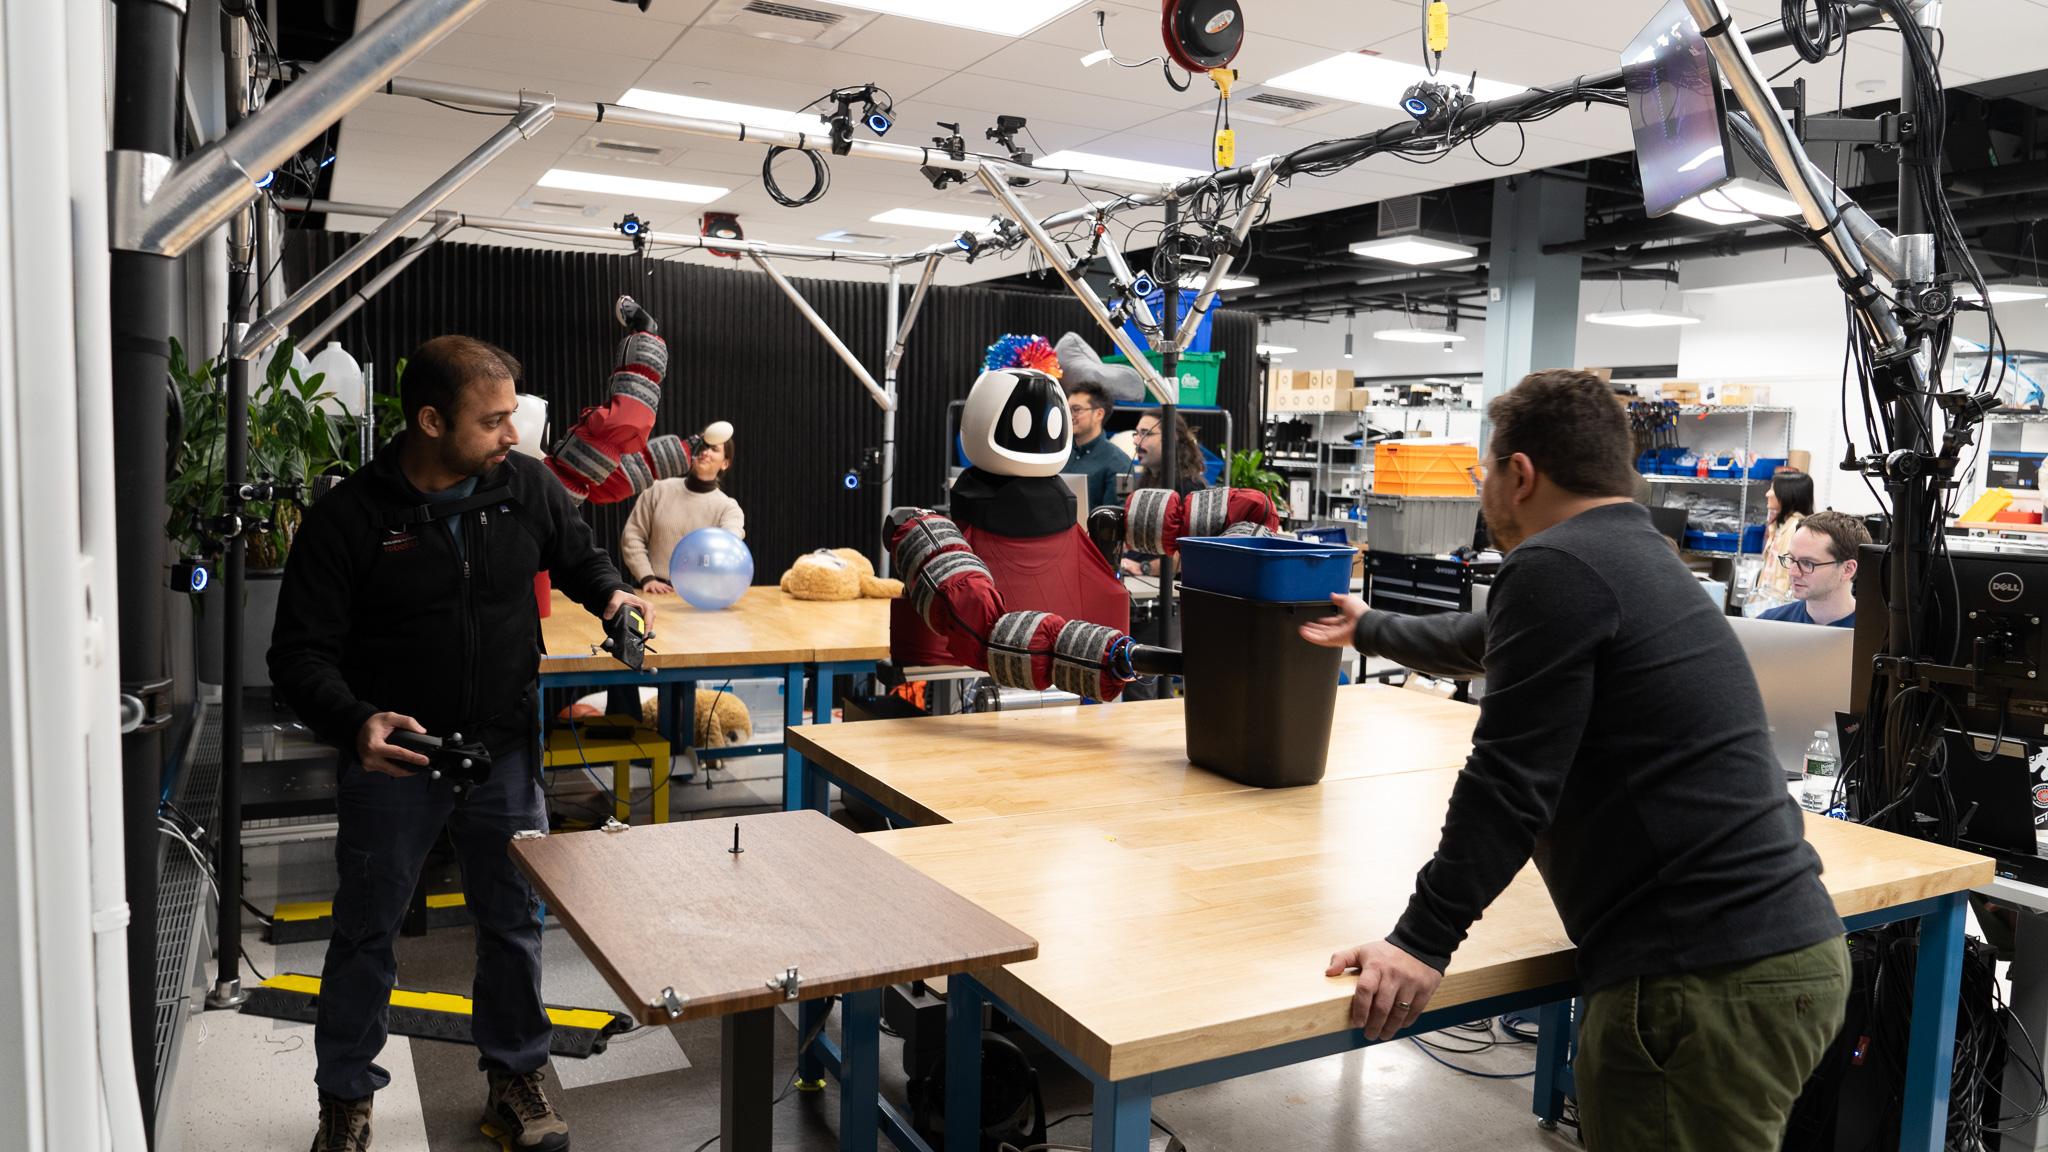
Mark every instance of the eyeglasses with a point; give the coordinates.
(1478, 472)
(1077, 410)
(1144, 433)
(1806, 567)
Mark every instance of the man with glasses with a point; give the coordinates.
(1823, 566)
(1622, 746)
(1088, 406)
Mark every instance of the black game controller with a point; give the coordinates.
(468, 764)
(625, 637)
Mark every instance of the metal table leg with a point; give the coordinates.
(1937, 979)
(2029, 1012)
(792, 717)
(1553, 1060)
(860, 1073)
(1123, 1116)
(747, 1081)
(964, 1002)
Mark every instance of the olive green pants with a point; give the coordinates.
(1707, 1061)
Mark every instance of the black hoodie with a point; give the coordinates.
(380, 612)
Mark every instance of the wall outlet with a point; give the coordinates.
(1493, 295)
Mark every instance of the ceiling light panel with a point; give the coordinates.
(631, 187)
(1009, 18)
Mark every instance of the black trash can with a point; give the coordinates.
(1259, 697)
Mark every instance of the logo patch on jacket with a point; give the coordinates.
(400, 540)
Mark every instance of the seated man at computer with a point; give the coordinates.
(1822, 561)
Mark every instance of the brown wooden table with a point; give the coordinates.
(767, 634)
(946, 769)
(1185, 920)
(683, 928)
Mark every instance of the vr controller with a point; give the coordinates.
(625, 637)
(468, 764)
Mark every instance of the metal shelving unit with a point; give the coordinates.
(1327, 468)
(1743, 485)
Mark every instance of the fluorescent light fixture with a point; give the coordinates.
(1417, 336)
(1415, 250)
(722, 111)
(630, 187)
(1276, 350)
(936, 221)
(1356, 78)
(1739, 201)
(1009, 18)
(1117, 166)
(1444, 380)
(1230, 283)
(1642, 318)
(2002, 293)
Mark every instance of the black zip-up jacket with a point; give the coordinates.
(380, 612)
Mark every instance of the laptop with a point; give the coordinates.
(1804, 672)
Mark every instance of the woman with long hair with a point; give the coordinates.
(1789, 501)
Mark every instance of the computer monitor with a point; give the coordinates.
(1676, 110)
(1803, 672)
(1670, 522)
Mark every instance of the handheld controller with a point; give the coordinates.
(625, 637)
(468, 764)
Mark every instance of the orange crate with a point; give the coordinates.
(1401, 468)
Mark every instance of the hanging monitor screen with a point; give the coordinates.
(1676, 108)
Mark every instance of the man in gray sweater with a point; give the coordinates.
(1621, 745)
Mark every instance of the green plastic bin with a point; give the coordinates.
(1199, 372)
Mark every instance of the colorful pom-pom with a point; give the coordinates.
(1015, 351)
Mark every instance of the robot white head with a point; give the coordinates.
(1015, 423)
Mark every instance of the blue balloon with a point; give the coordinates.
(711, 568)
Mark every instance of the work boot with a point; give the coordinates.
(518, 1114)
(344, 1125)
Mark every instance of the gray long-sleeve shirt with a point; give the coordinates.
(1447, 645)
(1622, 744)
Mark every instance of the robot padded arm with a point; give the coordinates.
(606, 456)
(955, 595)
(1155, 519)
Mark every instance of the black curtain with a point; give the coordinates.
(738, 351)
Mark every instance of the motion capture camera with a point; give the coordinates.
(625, 637)
(955, 148)
(1432, 105)
(466, 763)
(190, 576)
(875, 113)
(1005, 134)
(633, 228)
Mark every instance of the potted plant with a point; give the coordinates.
(1248, 470)
(291, 440)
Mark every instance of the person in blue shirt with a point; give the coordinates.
(1822, 562)
(1088, 407)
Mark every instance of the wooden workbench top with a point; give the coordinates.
(1198, 927)
(664, 906)
(944, 769)
(766, 626)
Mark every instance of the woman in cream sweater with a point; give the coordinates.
(672, 509)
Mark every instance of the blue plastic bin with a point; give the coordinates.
(1766, 467)
(1156, 301)
(1265, 568)
(1752, 539)
(1331, 535)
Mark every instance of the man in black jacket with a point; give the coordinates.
(408, 604)
(1621, 744)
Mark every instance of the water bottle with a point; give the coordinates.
(1819, 789)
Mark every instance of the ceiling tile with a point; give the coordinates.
(681, 12)
(615, 30)
(993, 95)
(815, 70)
(536, 65)
(917, 42)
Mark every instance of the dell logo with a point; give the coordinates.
(2006, 587)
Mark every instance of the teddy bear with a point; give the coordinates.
(837, 574)
(722, 717)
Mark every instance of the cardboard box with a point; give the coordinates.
(1356, 399)
(1604, 375)
(1745, 395)
(1681, 391)
(1801, 459)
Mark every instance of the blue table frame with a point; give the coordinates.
(1123, 1108)
(799, 788)
(1128, 1103)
